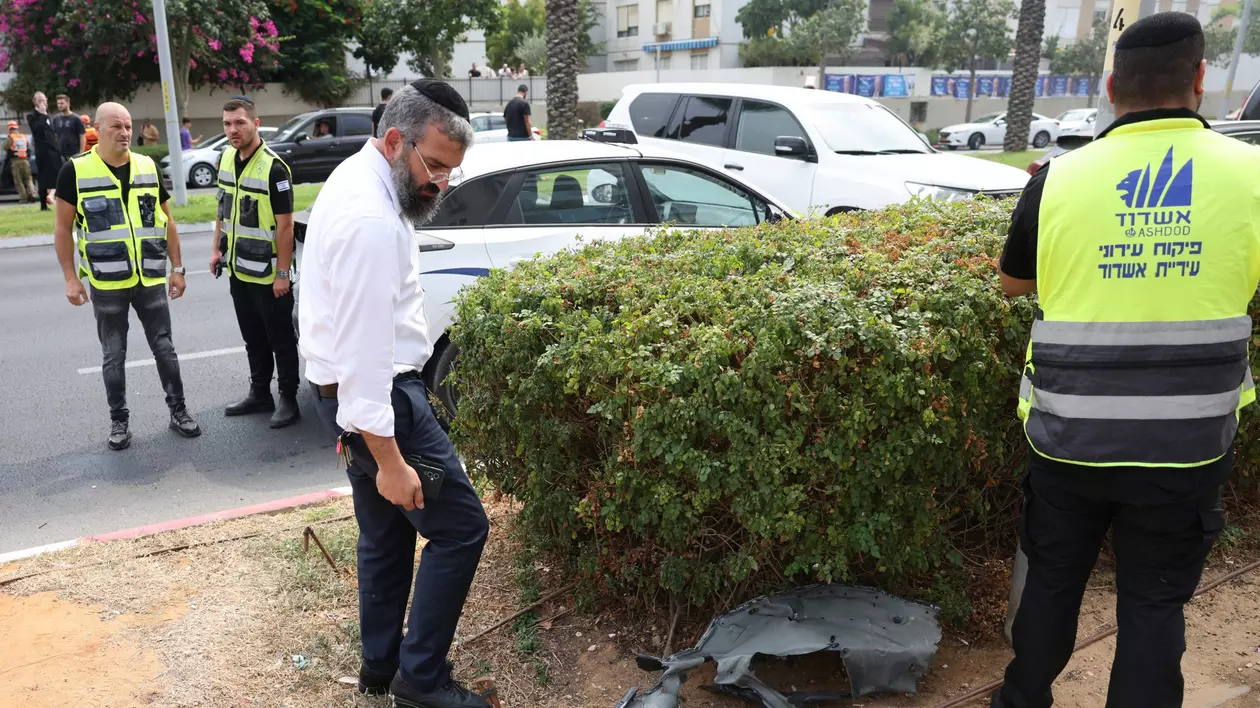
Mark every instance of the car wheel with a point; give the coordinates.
(1041, 140)
(435, 379)
(202, 176)
(976, 141)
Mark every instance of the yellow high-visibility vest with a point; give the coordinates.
(120, 245)
(248, 225)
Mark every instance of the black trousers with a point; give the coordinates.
(266, 323)
(112, 309)
(455, 526)
(1163, 524)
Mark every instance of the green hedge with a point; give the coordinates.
(701, 411)
(715, 413)
(157, 152)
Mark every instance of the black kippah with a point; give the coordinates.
(1158, 30)
(442, 94)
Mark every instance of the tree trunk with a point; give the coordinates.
(1019, 107)
(563, 20)
(822, 72)
(971, 88)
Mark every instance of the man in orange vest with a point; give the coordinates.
(89, 133)
(17, 148)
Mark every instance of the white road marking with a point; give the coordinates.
(182, 357)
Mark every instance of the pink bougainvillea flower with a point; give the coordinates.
(72, 83)
(215, 44)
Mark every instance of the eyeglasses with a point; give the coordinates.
(442, 176)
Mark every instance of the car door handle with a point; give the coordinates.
(733, 166)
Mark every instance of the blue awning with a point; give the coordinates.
(680, 45)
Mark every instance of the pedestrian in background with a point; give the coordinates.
(69, 129)
(1138, 365)
(380, 109)
(47, 155)
(254, 244)
(90, 136)
(517, 116)
(16, 148)
(365, 341)
(149, 134)
(474, 72)
(521, 72)
(186, 139)
(114, 200)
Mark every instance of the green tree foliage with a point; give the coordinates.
(975, 31)
(717, 413)
(518, 22)
(1084, 57)
(914, 32)
(830, 33)
(380, 35)
(760, 17)
(774, 51)
(1219, 45)
(314, 36)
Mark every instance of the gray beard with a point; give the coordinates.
(417, 207)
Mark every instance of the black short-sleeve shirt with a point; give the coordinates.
(514, 115)
(1019, 256)
(280, 184)
(376, 118)
(68, 185)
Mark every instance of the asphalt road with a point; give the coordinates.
(57, 478)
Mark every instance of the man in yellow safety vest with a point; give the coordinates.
(112, 202)
(1144, 249)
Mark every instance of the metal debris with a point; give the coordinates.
(308, 535)
(886, 643)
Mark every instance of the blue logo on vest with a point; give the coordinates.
(1166, 191)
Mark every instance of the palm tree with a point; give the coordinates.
(563, 22)
(1032, 22)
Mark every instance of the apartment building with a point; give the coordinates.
(1073, 19)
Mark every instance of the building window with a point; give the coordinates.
(664, 63)
(699, 61)
(702, 10)
(626, 65)
(664, 11)
(628, 21)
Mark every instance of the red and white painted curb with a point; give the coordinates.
(149, 529)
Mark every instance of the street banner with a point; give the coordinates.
(984, 86)
(865, 85)
(1003, 86)
(1080, 86)
(962, 87)
(940, 85)
(895, 86)
(1058, 86)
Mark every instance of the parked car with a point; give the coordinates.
(201, 164)
(491, 128)
(1250, 109)
(991, 129)
(6, 177)
(1078, 121)
(526, 199)
(1247, 131)
(816, 150)
(314, 143)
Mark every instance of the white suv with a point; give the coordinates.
(817, 151)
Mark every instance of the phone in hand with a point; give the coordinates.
(431, 475)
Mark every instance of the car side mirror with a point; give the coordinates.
(602, 194)
(300, 137)
(791, 146)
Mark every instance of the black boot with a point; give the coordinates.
(258, 401)
(450, 695)
(287, 412)
(374, 683)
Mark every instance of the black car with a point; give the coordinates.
(314, 143)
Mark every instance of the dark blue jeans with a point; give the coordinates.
(112, 309)
(455, 525)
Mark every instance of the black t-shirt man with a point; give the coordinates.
(69, 130)
(376, 118)
(514, 114)
(42, 133)
(280, 185)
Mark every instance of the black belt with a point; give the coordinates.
(330, 390)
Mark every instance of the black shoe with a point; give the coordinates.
(373, 683)
(256, 402)
(119, 435)
(287, 412)
(183, 423)
(451, 695)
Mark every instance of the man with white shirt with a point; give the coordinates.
(365, 341)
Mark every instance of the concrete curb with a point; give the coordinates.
(47, 239)
(149, 529)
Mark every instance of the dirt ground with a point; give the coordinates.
(259, 622)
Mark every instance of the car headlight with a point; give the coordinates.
(931, 191)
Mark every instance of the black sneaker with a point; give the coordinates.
(119, 435)
(374, 683)
(183, 423)
(450, 695)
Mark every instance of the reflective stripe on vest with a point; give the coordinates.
(91, 183)
(251, 251)
(254, 184)
(226, 177)
(1146, 266)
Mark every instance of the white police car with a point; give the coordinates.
(521, 200)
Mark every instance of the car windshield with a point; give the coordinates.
(1076, 114)
(990, 118)
(211, 142)
(282, 133)
(864, 128)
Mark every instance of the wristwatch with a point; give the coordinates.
(282, 274)
(179, 270)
